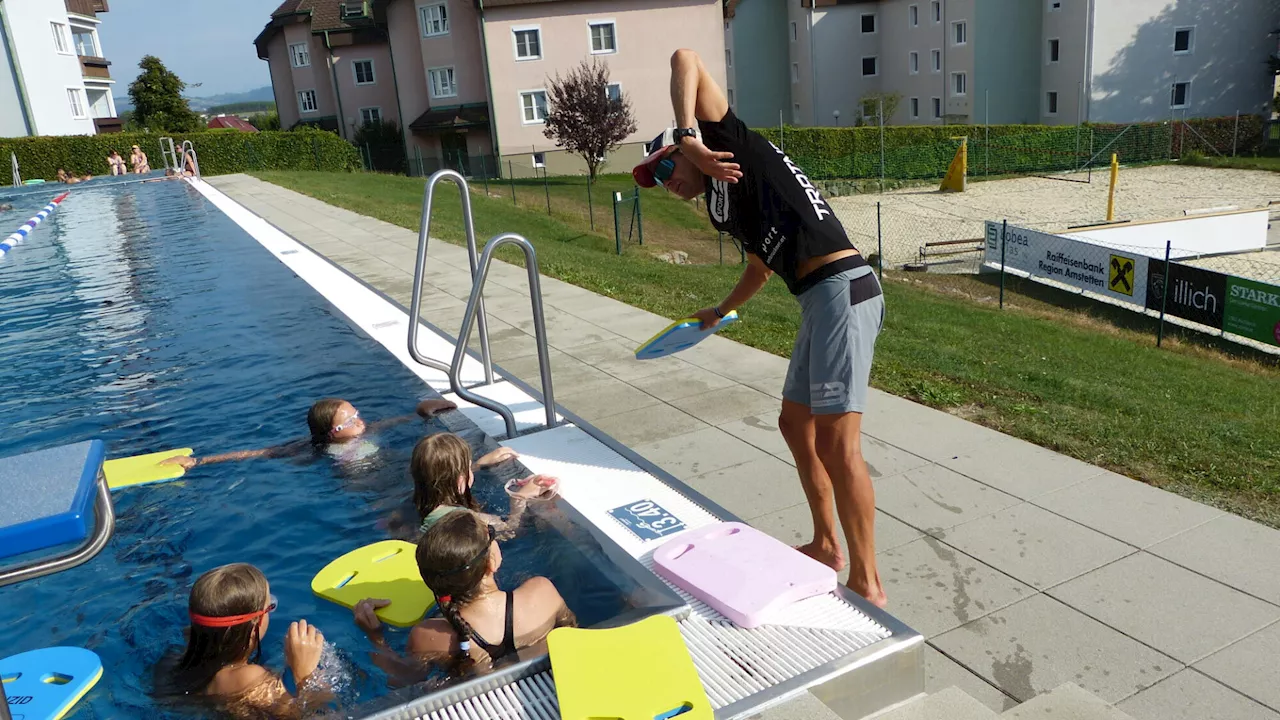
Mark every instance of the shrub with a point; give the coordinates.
(219, 151)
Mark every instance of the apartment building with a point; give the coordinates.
(54, 79)
(1027, 61)
(756, 57)
(467, 79)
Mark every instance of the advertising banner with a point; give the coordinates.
(1253, 310)
(1118, 274)
(1195, 294)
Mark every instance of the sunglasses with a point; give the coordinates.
(663, 171)
(479, 556)
(345, 423)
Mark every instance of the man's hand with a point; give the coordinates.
(710, 162)
(709, 317)
(500, 455)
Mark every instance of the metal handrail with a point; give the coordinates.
(17, 176)
(424, 232)
(104, 527)
(187, 147)
(169, 152)
(474, 302)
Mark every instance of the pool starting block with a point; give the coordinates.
(48, 497)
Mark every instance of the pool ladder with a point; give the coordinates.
(170, 155)
(475, 314)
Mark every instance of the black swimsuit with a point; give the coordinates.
(508, 645)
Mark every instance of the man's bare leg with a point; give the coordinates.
(838, 440)
(798, 429)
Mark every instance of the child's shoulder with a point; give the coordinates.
(431, 636)
(238, 679)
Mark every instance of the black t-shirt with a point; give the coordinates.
(773, 210)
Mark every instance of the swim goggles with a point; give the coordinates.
(226, 621)
(345, 424)
(663, 171)
(479, 556)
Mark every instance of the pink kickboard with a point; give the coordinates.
(743, 573)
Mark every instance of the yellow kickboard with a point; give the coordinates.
(641, 671)
(386, 570)
(143, 469)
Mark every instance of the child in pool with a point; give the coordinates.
(458, 558)
(336, 428)
(443, 475)
(230, 610)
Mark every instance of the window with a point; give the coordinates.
(434, 20)
(363, 70)
(913, 16)
(1054, 45)
(534, 106)
(869, 66)
(85, 44)
(351, 10)
(870, 112)
(937, 108)
(441, 81)
(603, 37)
(1051, 103)
(61, 40)
(795, 73)
(307, 101)
(613, 91)
(540, 160)
(370, 116)
(75, 97)
(868, 22)
(795, 113)
(793, 32)
(299, 56)
(935, 8)
(959, 84)
(915, 107)
(1182, 40)
(728, 58)
(731, 97)
(528, 43)
(1181, 95)
(1055, 5)
(935, 60)
(959, 33)
(913, 62)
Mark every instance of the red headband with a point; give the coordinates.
(227, 620)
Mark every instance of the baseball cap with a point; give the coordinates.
(658, 149)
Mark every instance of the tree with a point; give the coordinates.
(582, 117)
(157, 99)
(871, 108)
(266, 121)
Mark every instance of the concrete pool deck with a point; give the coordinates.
(1026, 570)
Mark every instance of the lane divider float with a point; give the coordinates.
(21, 233)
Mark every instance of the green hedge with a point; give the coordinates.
(917, 152)
(219, 151)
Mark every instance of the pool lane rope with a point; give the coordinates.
(21, 233)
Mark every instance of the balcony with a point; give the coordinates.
(108, 125)
(94, 67)
(88, 8)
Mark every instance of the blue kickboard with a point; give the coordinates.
(48, 497)
(44, 684)
(680, 335)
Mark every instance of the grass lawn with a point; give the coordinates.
(1239, 163)
(1193, 419)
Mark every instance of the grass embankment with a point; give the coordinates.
(1188, 418)
(1239, 163)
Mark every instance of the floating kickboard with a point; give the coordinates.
(634, 672)
(44, 684)
(680, 335)
(743, 573)
(386, 570)
(143, 469)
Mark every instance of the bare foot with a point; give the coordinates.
(869, 589)
(831, 556)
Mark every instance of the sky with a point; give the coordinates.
(204, 41)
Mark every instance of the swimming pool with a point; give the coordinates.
(145, 317)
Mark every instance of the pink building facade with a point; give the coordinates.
(465, 80)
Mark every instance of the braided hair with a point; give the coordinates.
(453, 559)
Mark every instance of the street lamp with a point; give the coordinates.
(836, 114)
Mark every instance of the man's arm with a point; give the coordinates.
(754, 276)
(696, 96)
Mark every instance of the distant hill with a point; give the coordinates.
(202, 104)
(243, 107)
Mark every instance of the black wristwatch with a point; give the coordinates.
(718, 313)
(680, 133)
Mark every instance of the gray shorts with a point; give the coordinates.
(840, 318)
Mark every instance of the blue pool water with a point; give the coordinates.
(142, 315)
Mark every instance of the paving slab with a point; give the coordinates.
(648, 424)
(1126, 509)
(1232, 550)
(929, 433)
(698, 452)
(726, 404)
(603, 399)
(935, 588)
(1180, 613)
(1037, 644)
(1192, 696)
(933, 498)
(1249, 666)
(1065, 702)
(802, 707)
(1019, 468)
(794, 526)
(1035, 546)
(950, 703)
(753, 488)
(941, 672)
(618, 358)
(688, 382)
(761, 430)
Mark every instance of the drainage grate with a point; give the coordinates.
(531, 698)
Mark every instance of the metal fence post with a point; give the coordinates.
(617, 226)
(782, 137)
(880, 118)
(1004, 228)
(511, 180)
(591, 210)
(720, 236)
(1164, 299)
(1235, 135)
(879, 243)
(546, 189)
(484, 172)
(639, 219)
